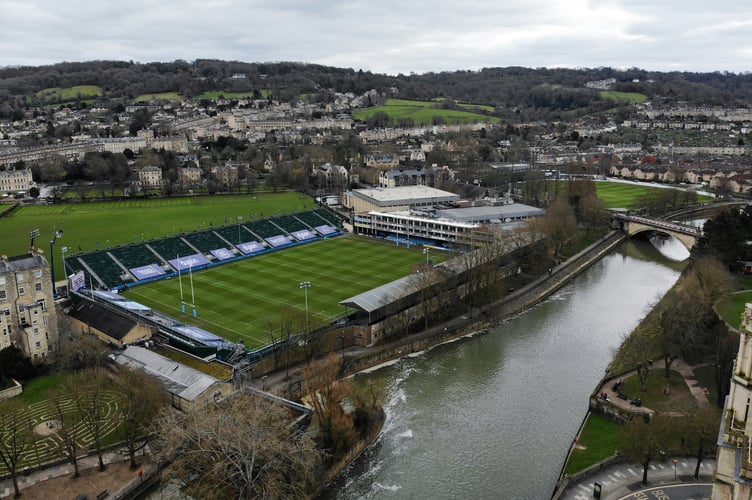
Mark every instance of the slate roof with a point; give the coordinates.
(105, 320)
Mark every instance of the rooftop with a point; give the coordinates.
(405, 194)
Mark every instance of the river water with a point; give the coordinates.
(493, 416)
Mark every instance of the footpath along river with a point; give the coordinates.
(493, 416)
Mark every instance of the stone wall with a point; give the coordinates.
(11, 392)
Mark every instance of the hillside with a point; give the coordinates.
(513, 92)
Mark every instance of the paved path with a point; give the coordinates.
(680, 366)
(625, 481)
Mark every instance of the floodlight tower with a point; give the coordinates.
(58, 234)
(305, 285)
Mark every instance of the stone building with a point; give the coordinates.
(27, 306)
(733, 478)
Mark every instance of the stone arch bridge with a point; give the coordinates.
(633, 224)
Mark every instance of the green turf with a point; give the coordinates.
(38, 389)
(599, 440)
(59, 94)
(630, 97)
(219, 94)
(122, 222)
(654, 398)
(166, 96)
(731, 307)
(624, 195)
(422, 112)
(238, 300)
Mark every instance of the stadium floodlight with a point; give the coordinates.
(305, 285)
(58, 234)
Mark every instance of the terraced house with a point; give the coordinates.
(27, 306)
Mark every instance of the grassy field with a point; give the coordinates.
(731, 307)
(423, 112)
(59, 94)
(121, 222)
(630, 97)
(598, 441)
(218, 94)
(623, 195)
(237, 301)
(165, 96)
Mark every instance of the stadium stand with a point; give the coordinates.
(135, 255)
(170, 248)
(289, 223)
(206, 240)
(263, 228)
(105, 268)
(230, 233)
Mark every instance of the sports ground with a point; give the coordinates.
(239, 301)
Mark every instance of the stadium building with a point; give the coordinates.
(421, 214)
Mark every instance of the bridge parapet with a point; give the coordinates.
(633, 224)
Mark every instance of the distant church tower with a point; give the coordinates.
(733, 478)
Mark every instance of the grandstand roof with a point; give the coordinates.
(473, 214)
(179, 379)
(378, 297)
(405, 195)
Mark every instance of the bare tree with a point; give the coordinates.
(243, 447)
(141, 399)
(15, 437)
(643, 439)
(89, 402)
(68, 422)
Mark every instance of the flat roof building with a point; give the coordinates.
(397, 198)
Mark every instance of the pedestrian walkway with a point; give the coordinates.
(679, 365)
(623, 480)
(62, 469)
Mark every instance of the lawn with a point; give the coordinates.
(59, 94)
(625, 195)
(422, 112)
(630, 97)
(165, 96)
(598, 441)
(238, 300)
(121, 222)
(731, 307)
(655, 398)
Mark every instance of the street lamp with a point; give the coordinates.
(58, 234)
(305, 285)
(675, 462)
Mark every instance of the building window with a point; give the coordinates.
(38, 287)
(45, 321)
(2, 294)
(7, 312)
(21, 290)
(38, 345)
(36, 330)
(38, 273)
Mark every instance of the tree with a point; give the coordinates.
(700, 431)
(16, 437)
(643, 440)
(68, 423)
(243, 447)
(88, 391)
(559, 225)
(34, 192)
(141, 399)
(328, 393)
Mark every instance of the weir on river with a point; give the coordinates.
(493, 416)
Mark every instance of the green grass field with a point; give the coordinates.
(731, 307)
(630, 97)
(423, 112)
(623, 195)
(238, 300)
(598, 441)
(122, 222)
(165, 96)
(59, 94)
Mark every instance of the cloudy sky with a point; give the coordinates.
(386, 36)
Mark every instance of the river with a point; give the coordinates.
(493, 415)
